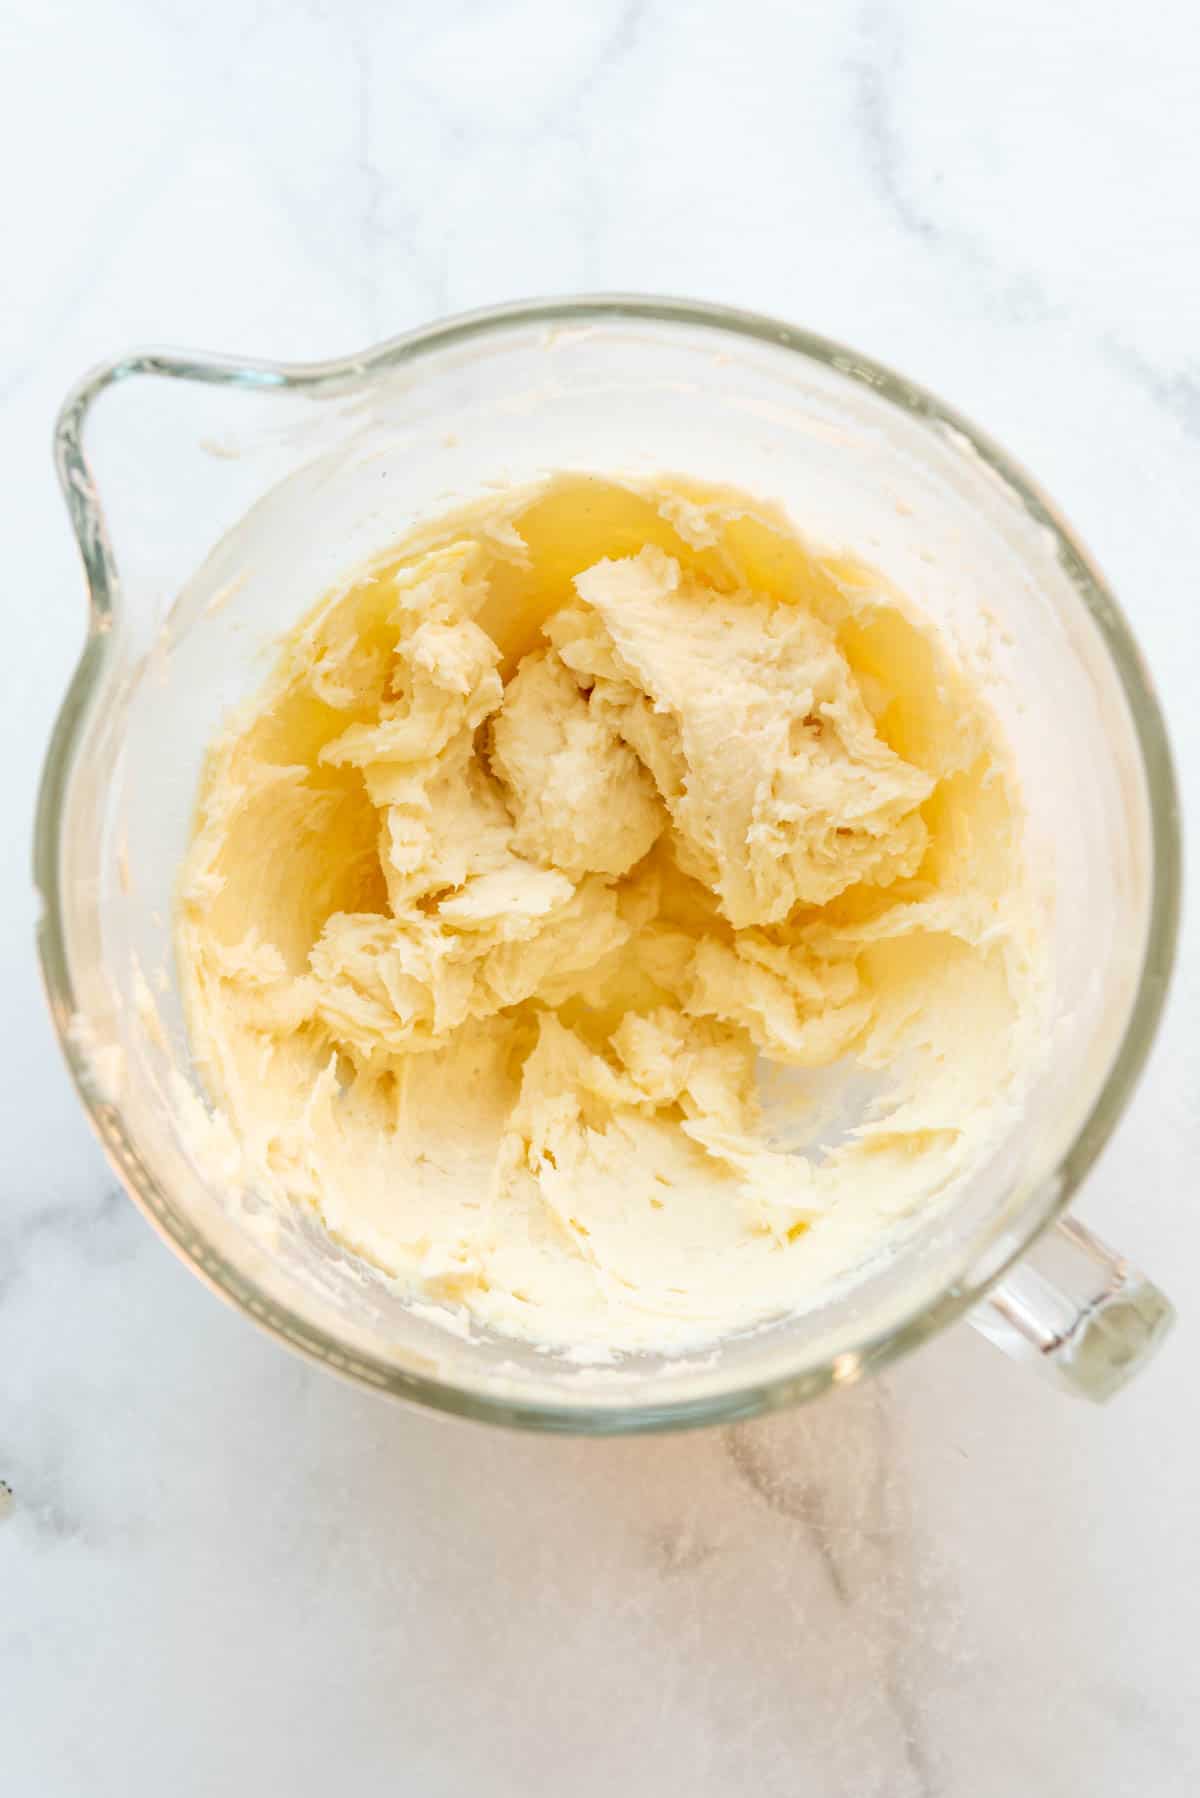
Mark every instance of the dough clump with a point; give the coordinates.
(562, 852)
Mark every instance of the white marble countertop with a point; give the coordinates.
(223, 1571)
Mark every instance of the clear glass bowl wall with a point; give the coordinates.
(296, 475)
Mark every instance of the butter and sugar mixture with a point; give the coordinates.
(558, 846)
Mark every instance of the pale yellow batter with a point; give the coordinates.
(550, 843)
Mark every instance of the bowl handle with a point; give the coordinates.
(1078, 1311)
(141, 463)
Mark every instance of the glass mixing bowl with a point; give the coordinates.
(235, 493)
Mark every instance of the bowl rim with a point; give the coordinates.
(593, 1416)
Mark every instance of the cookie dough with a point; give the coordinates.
(573, 865)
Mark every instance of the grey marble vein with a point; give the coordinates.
(1016, 294)
(370, 175)
(850, 1498)
(679, 1548)
(882, 48)
(789, 1495)
(901, 1685)
(873, 68)
(97, 1229)
(1174, 390)
(620, 42)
